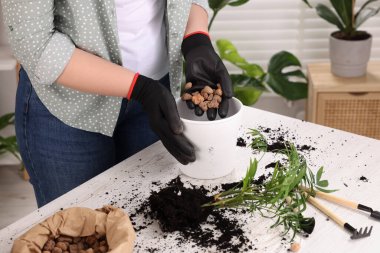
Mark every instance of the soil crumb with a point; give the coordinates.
(279, 139)
(363, 178)
(276, 146)
(240, 142)
(273, 165)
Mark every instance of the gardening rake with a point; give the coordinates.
(355, 233)
(345, 202)
(348, 203)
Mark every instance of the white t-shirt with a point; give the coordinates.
(142, 36)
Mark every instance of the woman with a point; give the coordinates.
(94, 87)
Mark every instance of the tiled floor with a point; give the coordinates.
(16, 196)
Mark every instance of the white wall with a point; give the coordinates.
(261, 28)
(8, 87)
(7, 74)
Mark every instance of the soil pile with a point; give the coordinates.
(179, 208)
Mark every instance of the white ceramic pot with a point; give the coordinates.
(349, 58)
(214, 141)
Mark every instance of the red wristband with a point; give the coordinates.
(198, 32)
(132, 85)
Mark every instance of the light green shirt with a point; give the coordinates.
(44, 33)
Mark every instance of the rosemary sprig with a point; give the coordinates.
(258, 140)
(282, 197)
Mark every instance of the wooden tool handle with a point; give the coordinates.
(333, 198)
(326, 211)
(337, 200)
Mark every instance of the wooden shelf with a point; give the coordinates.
(350, 104)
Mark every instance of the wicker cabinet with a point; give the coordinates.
(349, 104)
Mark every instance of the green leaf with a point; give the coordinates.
(217, 5)
(247, 95)
(220, 4)
(242, 80)
(238, 2)
(247, 89)
(251, 172)
(344, 10)
(258, 141)
(319, 173)
(323, 183)
(307, 3)
(324, 190)
(228, 51)
(365, 13)
(292, 84)
(324, 12)
(6, 120)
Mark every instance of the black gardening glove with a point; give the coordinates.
(204, 67)
(163, 116)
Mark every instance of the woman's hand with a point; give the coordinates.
(163, 116)
(204, 67)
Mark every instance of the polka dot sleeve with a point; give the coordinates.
(44, 33)
(38, 46)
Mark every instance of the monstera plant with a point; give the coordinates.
(217, 5)
(283, 76)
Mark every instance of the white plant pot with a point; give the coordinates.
(214, 141)
(349, 58)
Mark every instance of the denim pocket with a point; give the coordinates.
(23, 94)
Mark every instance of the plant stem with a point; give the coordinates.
(353, 13)
(212, 19)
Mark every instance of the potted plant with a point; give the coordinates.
(283, 76)
(350, 48)
(8, 144)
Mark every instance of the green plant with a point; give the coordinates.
(343, 15)
(283, 76)
(8, 144)
(282, 196)
(217, 5)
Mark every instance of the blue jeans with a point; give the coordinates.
(58, 157)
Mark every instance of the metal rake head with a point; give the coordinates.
(361, 234)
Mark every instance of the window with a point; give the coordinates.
(261, 28)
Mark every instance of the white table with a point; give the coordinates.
(346, 157)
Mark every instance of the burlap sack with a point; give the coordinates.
(78, 222)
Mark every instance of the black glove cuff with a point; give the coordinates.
(141, 83)
(193, 41)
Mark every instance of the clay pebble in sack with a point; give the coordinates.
(66, 230)
(66, 244)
